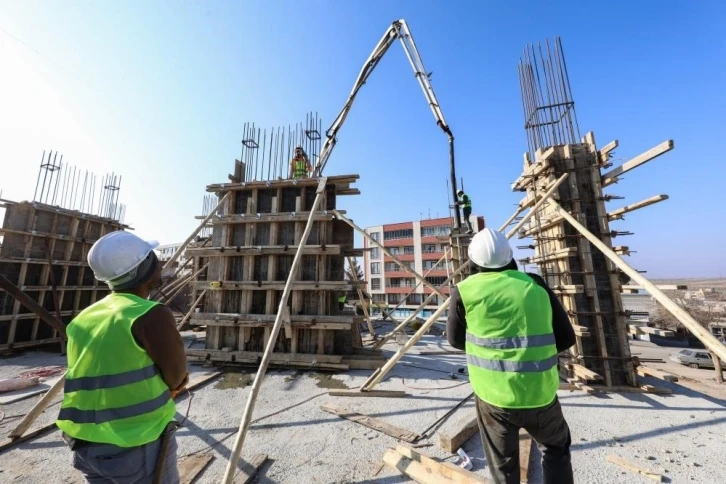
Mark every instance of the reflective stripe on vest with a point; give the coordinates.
(301, 168)
(510, 346)
(465, 201)
(113, 393)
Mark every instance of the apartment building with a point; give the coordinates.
(419, 245)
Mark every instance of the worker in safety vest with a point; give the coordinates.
(465, 203)
(512, 327)
(341, 301)
(126, 362)
(300, 164)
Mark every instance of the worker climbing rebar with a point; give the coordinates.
(300, 164)
(465, 203)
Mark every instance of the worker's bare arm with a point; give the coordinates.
(156, 332)
(456, 322)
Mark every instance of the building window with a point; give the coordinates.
(375, 236)
(375, 286)
(394, 298)
(375, 253)
(398, 234)
(394, 250)
(408, 250)
(436, 280)
(430, 264)
(414, 299)
(375, 267)
(379, 298)
(429, 248)
(437, 230)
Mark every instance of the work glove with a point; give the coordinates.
(176, 391)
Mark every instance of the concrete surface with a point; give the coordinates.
(679, 434)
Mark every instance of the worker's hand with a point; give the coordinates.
(176, 391)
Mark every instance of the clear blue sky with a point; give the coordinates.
(159, 91)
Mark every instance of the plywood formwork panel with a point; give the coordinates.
(581, 276)
(45, 246)
(264, 222)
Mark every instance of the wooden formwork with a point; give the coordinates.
(254, 240)
(44, 252)
(585, 280)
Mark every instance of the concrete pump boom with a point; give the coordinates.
(398, 30)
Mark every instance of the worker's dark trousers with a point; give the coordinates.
(467, 213)
(499, 430)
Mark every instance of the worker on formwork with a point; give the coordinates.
(512, 327)
(342, 298)
(465, 203)
(126, 363)
(300, 164)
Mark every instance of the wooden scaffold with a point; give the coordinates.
(254, 239)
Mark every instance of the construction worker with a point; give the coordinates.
(512, 327)
(341, 301)
(300, 164)
(465, 203)
(126, 362)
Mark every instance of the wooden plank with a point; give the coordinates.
(612, 175)
(652, 372)
(642, 328)
(641, 389)
(445, 469)
(584, 373)
(367, 364)
(372, 423)
(415, 470)
(653, 476)
(269, 324)
(321, 216)
(617, 214)
(369, 393)
(250, 469)
(525, 450)
(662, 287)
(338, 181)
(233, 251)
(198, 381)
(452, 440)
(190, 466)
(301, 319)
(267, 285)
(25, 300)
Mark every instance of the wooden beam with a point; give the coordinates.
(276, 285)
(321, 216)
(446, 470)
(664, 333)
(585, 373)
(612, 175)
(190, 466)
(604, 152)
(452, 440)
(250, 469)
(618, 213)
(653, 476)
(662, 287)
(525, 451)
(26, 301)
(652, 372)
(232, 251)
(371, 393)
(338, 180)
(372, 423)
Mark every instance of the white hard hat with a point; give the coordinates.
(490, 249)
(118, 253)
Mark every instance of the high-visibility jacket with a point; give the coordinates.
(510, 345)
(343, 298)
(300, 167)
(465, 201)
(114, 394)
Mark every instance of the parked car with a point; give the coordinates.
(693, 358)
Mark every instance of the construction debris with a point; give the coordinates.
(653, 476)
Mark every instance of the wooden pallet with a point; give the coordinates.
(45, 247)
(254, 240)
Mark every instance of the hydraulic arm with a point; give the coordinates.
(398, 30)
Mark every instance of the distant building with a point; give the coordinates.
(164, 253)
(419, 245)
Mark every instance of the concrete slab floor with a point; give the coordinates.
(677, 434)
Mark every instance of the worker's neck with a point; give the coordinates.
(142, 292)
